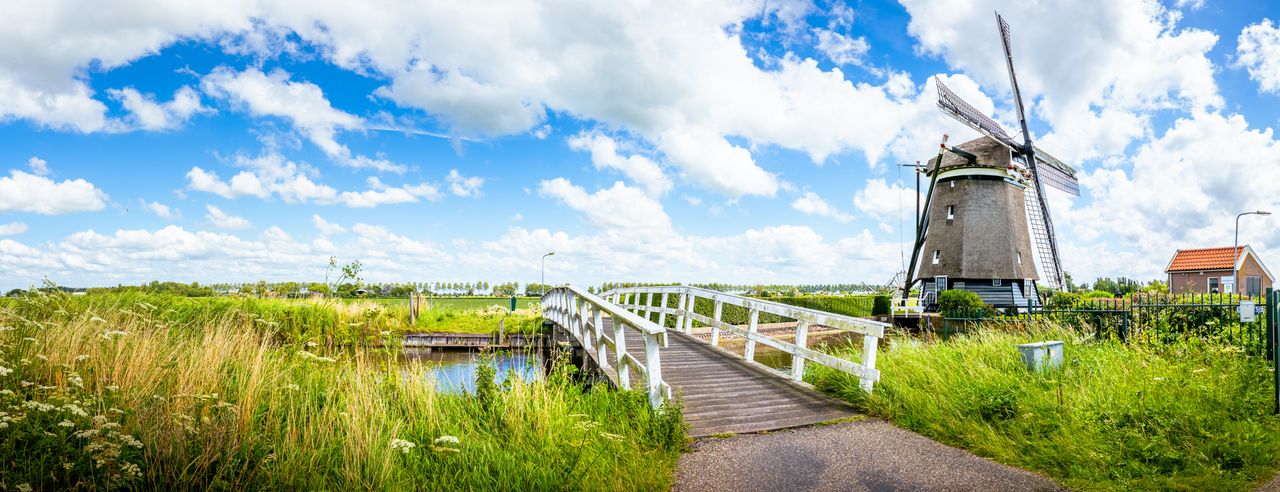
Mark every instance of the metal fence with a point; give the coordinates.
(1142, 318)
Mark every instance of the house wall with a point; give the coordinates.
(1197, 282)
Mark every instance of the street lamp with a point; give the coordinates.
(544, 271)
(1235, 250)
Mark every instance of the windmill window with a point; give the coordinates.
(1019, 257)
(937, 256)
(995, 282)
(951, 212)
(953, 184)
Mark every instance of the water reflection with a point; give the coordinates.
(455, 371)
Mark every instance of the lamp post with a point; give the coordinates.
(544, 271)
(1235, 250)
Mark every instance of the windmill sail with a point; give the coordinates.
(962, 111)
(1041, 224)
(1056, 173)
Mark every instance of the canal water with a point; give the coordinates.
(455, 371)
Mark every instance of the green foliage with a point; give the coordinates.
(1064, 300)
(959, 303)
(1190, 415)
(880, 306)
(1099, 294)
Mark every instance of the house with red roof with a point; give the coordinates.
(1208, 271)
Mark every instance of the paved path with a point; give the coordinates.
(868, 455)
(722, 393)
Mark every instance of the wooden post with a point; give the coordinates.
(681, 310)
(802, 341)
(752, 326)
(653, 368)
(597, 322)
(619, 351)
(662, 315)
(692, 304)
(715, 330)
(869, 346)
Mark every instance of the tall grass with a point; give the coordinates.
(152, 393)
(1191, 415)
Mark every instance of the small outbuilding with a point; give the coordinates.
(1208, 271)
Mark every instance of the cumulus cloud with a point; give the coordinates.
(303, 104)
(325, 227)
(271, 174)
(842, 49)
(25, 192)
(811, 204)
(12, 228)
(620, 207)
(1258, 51)
(161, 210)
(639, 169)
(222, 220)
(39, 166)
(147, 114)
(464, 186)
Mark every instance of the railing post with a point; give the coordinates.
(802, 341)
(749, 353)
(688, 320)
(662, 314)
(680, 310)
(619, 353)
(597, 322)
(715, 330)
(653, 367)
(869, 346)
(587, 339)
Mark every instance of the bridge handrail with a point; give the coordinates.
(581, 313)
(685, 313)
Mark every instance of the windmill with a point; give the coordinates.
(998, 184)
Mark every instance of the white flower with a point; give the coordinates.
(66, 423)
(82, 358)
(24, 487)
(5, 371)
(402, 445)
(446, 439)
(114, 334)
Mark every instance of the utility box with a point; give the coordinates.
(1040, 356)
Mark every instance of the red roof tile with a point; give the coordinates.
(1204, 259)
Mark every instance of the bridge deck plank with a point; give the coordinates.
(723, 394)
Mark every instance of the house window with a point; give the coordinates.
(951, 212)
(1213, 285)
(937, 256)
(1253, 285)
(940, 282)
(1019, 257)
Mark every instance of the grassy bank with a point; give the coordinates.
(1115, 417)
(104, 392)
(457, 303)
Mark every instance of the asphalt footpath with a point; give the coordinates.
(865, 455)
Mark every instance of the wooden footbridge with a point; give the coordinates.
(699, 346)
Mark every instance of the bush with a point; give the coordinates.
(1099, 294)
(955, 302)
(880, 306)
(1062, 300)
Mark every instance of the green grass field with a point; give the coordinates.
(1189, 416)
(458, 303)
(172, 393)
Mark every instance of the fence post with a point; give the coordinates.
(619, 353)
(653, 368)
(1272, 309)
(662, 314)
(802, 341)
(715, 329)
(753, 324)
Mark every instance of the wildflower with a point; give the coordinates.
(75, 410)
(5, 371)
(24, 487)
(113, 388)
(446, 439)
(6, 328)
(76, 380)
(42, 357)
(114, 334)
(610, 436)
(311, 344)
(5, 392)
(66, 423)
(82, 358)
(402, 445)
(97, 320)
(68, 466)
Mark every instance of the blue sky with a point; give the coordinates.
(741, 142)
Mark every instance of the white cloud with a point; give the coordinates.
(604, 155)
(1258, 51)
(303, 104)
(811, 204)
(26, 192)
(620, 207)
(1139, 61)
(12, 228)
(39, 166)
(147, 114)
(327, 228)
(464, 186)
(887, 204)
(221, 219)
(271, 174)
(842, 49)
(161, 210)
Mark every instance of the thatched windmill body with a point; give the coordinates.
(985, 225)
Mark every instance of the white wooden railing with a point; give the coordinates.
(582, 314)
(641, 300)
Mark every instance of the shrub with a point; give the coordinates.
(1063, 300)
(959, 303)
(1099, 294)
(880, 306)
